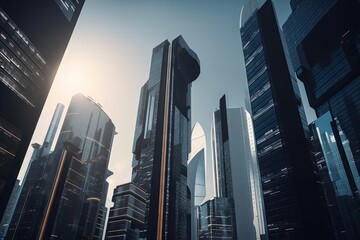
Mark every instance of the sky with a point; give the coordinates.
(108, 58)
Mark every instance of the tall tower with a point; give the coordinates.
(54, 124)
(64, 191)
(50, 185)
(89, 129)
(29, 182)
(44, 149)
(237, 171)
(293, 204)
(5, 222)
(33, 39)
(196, 174)
(326, 57)
(127, 216)
(162, 139)
(343, 205)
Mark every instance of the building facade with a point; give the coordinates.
(326, 57)
(236, 170)
(64, 192)
(127, 216)
(326, 137)
(45, 190)
(216, 219)
(38, 152)
(90, 129)
(5, 222)
(162, 139)
(294, 205)
(29, 61)
(196, 174)
(253, 182)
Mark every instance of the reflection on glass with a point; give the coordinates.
(339, 175)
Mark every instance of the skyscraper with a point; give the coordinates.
(54, 124)
(127, 216)
(64, 192)
(162, 139)
(46, 189)
(252, 169)
(196, 174)
(236, 170)
(216, 219)
(326, 136)
(90, 129)
(5, 222)
(326, 57)
(33, 39)
(293, 203)
(28, 183)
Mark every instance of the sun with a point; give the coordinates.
(72, 78)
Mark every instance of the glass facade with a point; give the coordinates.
(28, 64)
(54, 124)
(66, 190)
(162, 139)
(88, 128)
(24, 67)
(223, 168)
(5, 222)
(254, 178)
(339, 175)
(306, 14)
(100, 223)
(52, 180)
(67, 7)
(39, 151)
(127, 216)
(331, 77)
(293, 203)
(216, 219)
(237, 156)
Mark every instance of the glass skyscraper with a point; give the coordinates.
(33, 39)
(5, 222)
(216, 219)
(236, 173)
(326, 57)
(326, 137)
(127, 216)
(162, 139)
(293, 203)
(64, 192)
(90, 129)
(53, 183)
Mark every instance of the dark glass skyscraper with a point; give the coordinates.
(64, 192)
(47, 189)
(162, 139)
(90, 129)
(293, 204)
(215, 219)
(326, 58)
(33, 39)
(5, 222)
(326, 137)
(127, 216)
(34, 170)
